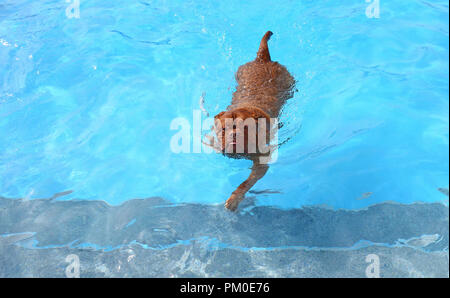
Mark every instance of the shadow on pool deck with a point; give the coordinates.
(154, 238)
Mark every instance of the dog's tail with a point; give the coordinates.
(263, 52)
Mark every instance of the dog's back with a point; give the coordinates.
(263, 83)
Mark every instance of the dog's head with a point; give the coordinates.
(242, 132)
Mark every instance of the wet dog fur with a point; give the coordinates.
(263, 88)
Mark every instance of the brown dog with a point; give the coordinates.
(263, 88)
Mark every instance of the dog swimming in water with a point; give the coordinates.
(263, 88)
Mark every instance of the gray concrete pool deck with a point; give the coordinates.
(154, 238)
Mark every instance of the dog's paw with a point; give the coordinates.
(233, 202)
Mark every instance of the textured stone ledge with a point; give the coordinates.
(153, 238)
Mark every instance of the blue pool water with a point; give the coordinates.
(86, 103)
(86, 106)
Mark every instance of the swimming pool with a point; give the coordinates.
(87, 101)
